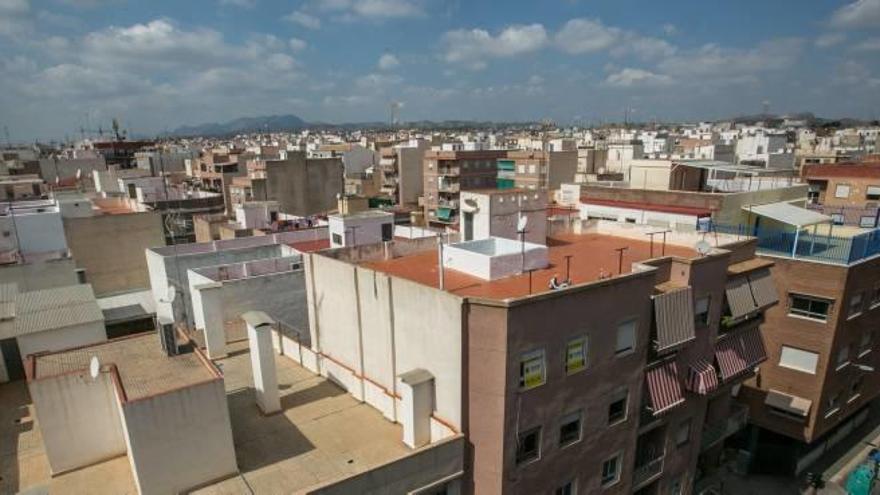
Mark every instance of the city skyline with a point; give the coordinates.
(69, 64)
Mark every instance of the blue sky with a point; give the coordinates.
(160, 64)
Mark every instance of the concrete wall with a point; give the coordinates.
(66, 168)
(371, 331)
(34, 232)
(62, 338)
(41, 274)
(305, 186)
(421, 470)
(173, 269)
(410, 183)
(111, 248)
(78, 418)
(180, 439)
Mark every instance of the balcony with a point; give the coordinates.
(448, 203)
(647, 472)
(449, 187)
(717, 431)
(449, 171)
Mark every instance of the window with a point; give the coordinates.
(626, 337)
(611, 471)
(337, 239)
(683, 433)
(701, 310)
(531, 369)
(528, 446)
(617, 408)
(569, 488)
(522, 169)
(798, 359)
(570, 429)
(855, 305)
(809, 307)
(855, 389)
(576, 355)
(837, 218)
(872, 193)
(833, 404)
(841, 191)
(387, 231)
(842, 356)
(532, 169)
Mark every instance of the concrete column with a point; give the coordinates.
(212, 315)
(417, 404)
(259, 329)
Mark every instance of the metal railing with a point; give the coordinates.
(714, 432)
(646, 472)
(805, 244)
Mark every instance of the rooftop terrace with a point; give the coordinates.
(144, 368)
(591, 255)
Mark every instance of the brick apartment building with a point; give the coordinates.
(558, 385)
(446, 173)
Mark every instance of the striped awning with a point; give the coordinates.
(702, 378)
(763, 288)
(739, 297)
(674, 316)
(664, 388)
(739, 352)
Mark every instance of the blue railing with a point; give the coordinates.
(821, 247)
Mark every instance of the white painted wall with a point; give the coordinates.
(78, 418)
(62, 338)
(36, 232)
(179, 440)
(656, 218)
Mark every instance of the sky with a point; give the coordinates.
(156, 65)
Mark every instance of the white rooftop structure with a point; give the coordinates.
(788, 213)
(494, 257)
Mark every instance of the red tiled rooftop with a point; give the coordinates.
(309, 246)
(591, 254)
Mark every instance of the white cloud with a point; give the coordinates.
(712, 62)
(852, 73)
(580, 36)
(377, 81)
(357, 10)
(628, 77)
(473, 47)
(669, 29)
(859, 14)
(388, 61)
(535, 80)
(297, 45)
(13, 7)
(830, 39)
(245, 4)
(868, 45)
(303, 19)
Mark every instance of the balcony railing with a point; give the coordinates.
(719, 430)
(450, 171)
(647, 472)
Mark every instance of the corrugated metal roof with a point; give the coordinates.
(674, 315)
(788, 213)
(8, 292)
(41, 310)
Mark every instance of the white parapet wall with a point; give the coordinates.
(495, 257)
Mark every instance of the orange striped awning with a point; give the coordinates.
(664, 388)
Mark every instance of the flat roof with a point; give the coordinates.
(321, 434)
(144, 368)
(48, 309)
(310, 246)
(848, 169)
(788, 213)
(591, 254)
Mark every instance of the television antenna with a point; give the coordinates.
(521, 225)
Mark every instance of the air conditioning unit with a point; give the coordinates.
(167, 337)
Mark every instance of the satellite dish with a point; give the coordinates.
(521, 223)
(94, 367)
(470, 205)
(703, 247)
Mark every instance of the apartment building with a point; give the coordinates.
(400, 170)
(539, 170)
(447, 173)
(848, 192)
(528, 353)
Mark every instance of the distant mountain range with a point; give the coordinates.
(274, 123)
